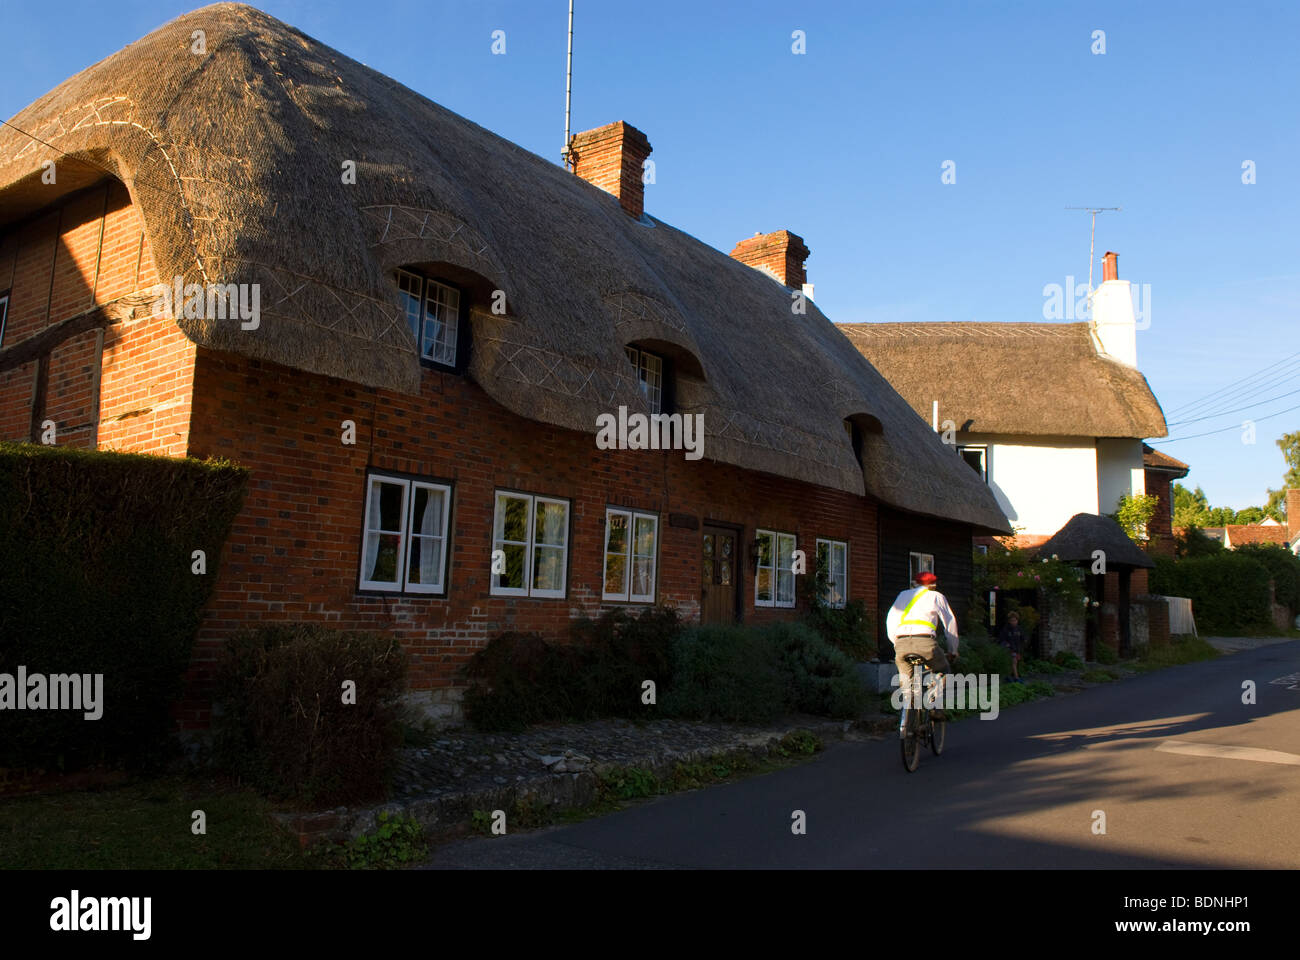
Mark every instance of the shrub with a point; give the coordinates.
(1284, 568)
(722, 673)
(1228, 590)
(520, 679)
(1068, 659)
(1041, 688)
(395, 842)
(97, 552)
(850, 628)
(284, 725)
(983, 656)
(1041, 666)
(1105, 653)
(1096, 676)
(820, 678)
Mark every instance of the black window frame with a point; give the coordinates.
(463, 338)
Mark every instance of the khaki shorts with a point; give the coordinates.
(927, 647)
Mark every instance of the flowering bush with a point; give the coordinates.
(1016, 569)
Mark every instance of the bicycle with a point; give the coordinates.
(917, 723)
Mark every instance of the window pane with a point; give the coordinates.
(616, 543)
(784, 586)
(441, 323)
(512, 519)
(425, 567)
(765, 550)
(385, 506)
(551, 523)
(548, 568)
(764, 584)
(382, 551)
(513, 578)
(652, 379)
(643, 578)
(428, 506)
(644, 545)
(409, 294)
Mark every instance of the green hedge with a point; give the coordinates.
(519, 679)
(96, 552)
(715, 672)
(283, 722)
(756, 674)
(1228, 590)
(1283, 566)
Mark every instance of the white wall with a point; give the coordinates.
(1119, 471)
(1113, 322)
(1041, 484)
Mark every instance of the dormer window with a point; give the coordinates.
(433, 312)
(650, 373)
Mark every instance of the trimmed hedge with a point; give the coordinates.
(755, 674)
(96, 549)
(283, 723)
(713, 672)
(519, 679)
(1283, 566)
(1228, 590)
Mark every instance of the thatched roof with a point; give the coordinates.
(234, 158)
(1086, 532)
(1018, 378)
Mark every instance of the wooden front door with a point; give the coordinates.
(720, 575)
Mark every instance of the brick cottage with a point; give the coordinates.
(441, 319)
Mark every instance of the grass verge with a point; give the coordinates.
(146, 825)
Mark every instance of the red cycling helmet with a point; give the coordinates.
(926, 579)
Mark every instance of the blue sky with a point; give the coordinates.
(844, 145)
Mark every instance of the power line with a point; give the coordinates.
(1211, 433)
(1224, 413)
(1186, 407)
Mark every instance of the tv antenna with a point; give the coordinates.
(567, 156)
(1092, 239)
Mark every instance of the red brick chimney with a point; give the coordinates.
(1292, 514)
(781, 252)
(1110, 267)
(611, 157)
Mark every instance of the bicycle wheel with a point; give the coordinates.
(910, 742)
(938, 729)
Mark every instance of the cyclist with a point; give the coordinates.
(911, 625)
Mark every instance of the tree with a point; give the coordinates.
(1289, 443)
(1190, 506)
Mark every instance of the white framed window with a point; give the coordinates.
(4, 315)
(404, 540)
(631, 549)
(650, 372)
(920, 563)
(977, 458)
(834, 554)
(433, 314)
(530, 545)
(982, 548)
(774, 577)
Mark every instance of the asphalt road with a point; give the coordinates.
(1184, 772)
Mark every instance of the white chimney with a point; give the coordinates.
(1114, 327)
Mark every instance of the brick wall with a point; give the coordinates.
(1160, 529)
(126, 386)
(294, 551)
